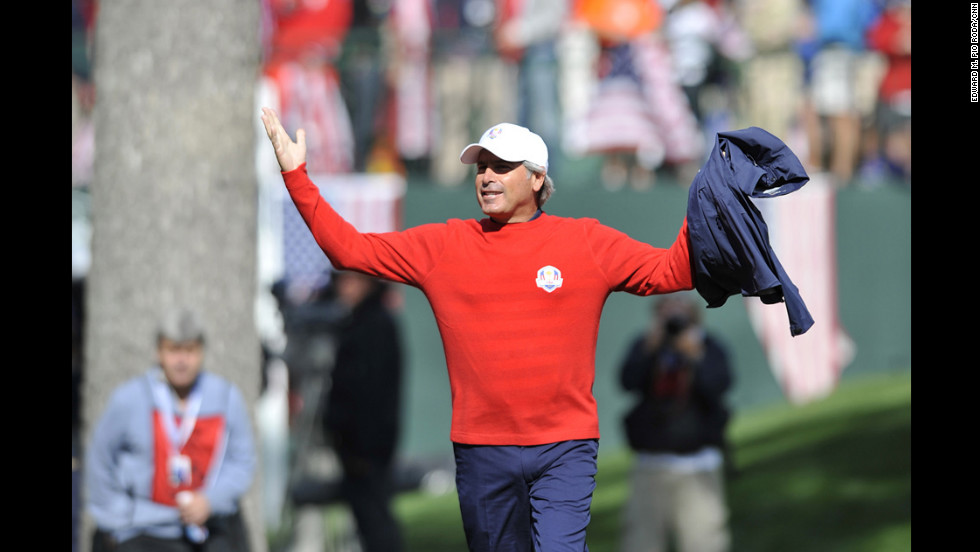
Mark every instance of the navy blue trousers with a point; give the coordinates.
(518, 499)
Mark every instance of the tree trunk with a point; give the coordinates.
(174, 192)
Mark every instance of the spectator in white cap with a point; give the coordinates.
(517, 297)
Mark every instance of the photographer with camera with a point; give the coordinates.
(677, 430)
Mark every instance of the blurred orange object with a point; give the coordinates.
(620, 20)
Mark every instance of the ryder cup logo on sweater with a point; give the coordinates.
(549, 278)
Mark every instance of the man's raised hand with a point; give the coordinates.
(289, 153)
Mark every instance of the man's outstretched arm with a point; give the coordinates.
(393, 256)
(291, 155)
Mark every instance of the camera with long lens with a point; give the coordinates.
(671, 360)
(676, 324)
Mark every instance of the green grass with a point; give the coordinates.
(834, 475)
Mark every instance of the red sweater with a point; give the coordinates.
(521, 359)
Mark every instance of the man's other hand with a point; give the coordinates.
(289, 153)
(194, 510)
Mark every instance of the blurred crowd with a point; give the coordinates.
(643, 85)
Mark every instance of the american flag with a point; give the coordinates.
(371, 202)
(802, 233)
(638, 107)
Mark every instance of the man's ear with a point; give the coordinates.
(538, 182)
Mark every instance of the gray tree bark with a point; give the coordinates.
(174, 192)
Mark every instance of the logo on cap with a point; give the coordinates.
(494, 133)
(549, 278)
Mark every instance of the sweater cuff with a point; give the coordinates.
(295, 176)
(301, 168)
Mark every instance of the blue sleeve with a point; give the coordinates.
(713, 377)
(107, 495)
(634, 372)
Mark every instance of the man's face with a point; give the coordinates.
(181, 362)
(503, 189)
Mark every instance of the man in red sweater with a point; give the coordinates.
(517, 297)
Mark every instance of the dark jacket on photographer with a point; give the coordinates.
(681, 408)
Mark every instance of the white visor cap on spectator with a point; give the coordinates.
(509, 142)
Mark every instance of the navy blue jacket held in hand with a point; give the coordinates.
(730, 250)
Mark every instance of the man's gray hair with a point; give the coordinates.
(180, 326)
(549, 186)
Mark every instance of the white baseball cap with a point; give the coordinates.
(509, 142)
